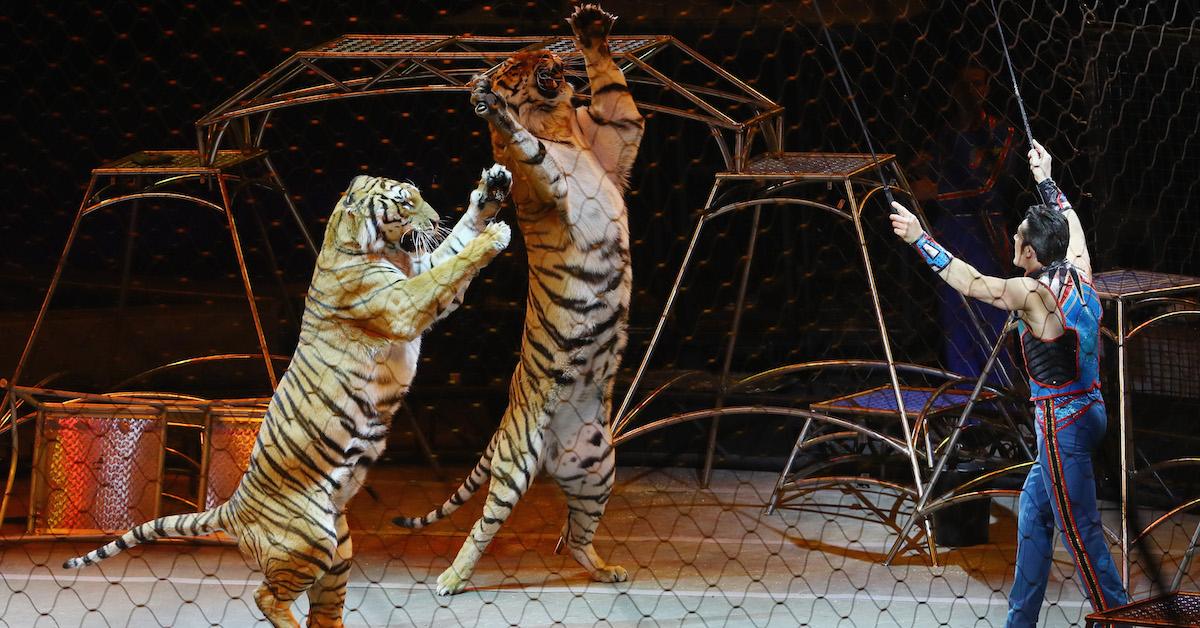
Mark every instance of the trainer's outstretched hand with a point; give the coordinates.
(1039, 162)
(905, 224)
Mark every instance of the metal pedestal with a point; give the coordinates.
(99, 459)
(164, 175)
(780, 179)
(1170, 610)
(927, 504)
(1127, 291)
(176, 175)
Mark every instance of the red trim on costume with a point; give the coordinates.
(1058, 484)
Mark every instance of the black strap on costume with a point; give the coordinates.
(887, 191)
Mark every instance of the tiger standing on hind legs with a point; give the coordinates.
(570, 170)
(376, 289)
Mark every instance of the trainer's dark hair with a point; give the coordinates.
(1047, 231)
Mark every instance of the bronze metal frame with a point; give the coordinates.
(1148, 288)
(779, 175)
(353, 66)
(183, 177)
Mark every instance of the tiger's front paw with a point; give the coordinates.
(496, 182)
(449, 583)
(483, 99)
(499, 234)
(610, 573)
(591, 24)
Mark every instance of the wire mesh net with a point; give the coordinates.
(702, 281)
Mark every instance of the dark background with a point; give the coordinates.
(1111, 90)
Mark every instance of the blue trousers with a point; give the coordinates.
(1060, 491)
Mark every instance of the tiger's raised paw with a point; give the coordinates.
(483, 99)
(500, 234)
(611, 573)
(591, 24)
(496, 181)
(449, 583)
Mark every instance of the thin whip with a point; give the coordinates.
(887, 191)
(1012, 74)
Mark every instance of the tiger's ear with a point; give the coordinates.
(359, 188)
(361, 227)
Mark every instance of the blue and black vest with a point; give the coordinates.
(1069, 364)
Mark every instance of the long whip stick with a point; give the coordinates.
(1012, 75)
(887, 191)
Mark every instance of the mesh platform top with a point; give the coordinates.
(833, 166)
(1117, 284)
(618, 45)
(1173, 609)
(173, 162)
(376, 44)
(404, 45)
(882, 400)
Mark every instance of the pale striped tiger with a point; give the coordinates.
(570, 169)
(376, 288)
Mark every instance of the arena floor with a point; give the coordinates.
(700, 557)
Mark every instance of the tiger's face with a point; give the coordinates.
(532, 82)
(378, 212)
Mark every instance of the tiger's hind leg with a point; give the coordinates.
(583, 463)
(292, 560)
(327, 596)
(518, 449)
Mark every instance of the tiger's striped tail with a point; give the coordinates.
(480, 474)
(187, 525)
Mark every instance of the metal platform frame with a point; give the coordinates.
(1179, 609)
(1128, 290)
(354, 66)
(927, 504)
(180, 176)
(165, 175)
(781, 179)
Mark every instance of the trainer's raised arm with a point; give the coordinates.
(1016, 293)
(1039, 165)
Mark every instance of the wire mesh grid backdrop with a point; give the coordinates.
(690, 333)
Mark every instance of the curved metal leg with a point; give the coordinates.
(887, 351)
(620, 420)
(241, 260)
(733, 334)
(787, 469)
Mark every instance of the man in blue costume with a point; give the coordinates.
(1059, 314)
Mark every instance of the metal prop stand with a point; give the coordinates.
(782, 179)
(1129, 290)
(174, 175)
(927, 504)
(1177, 609)
(355, 66)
